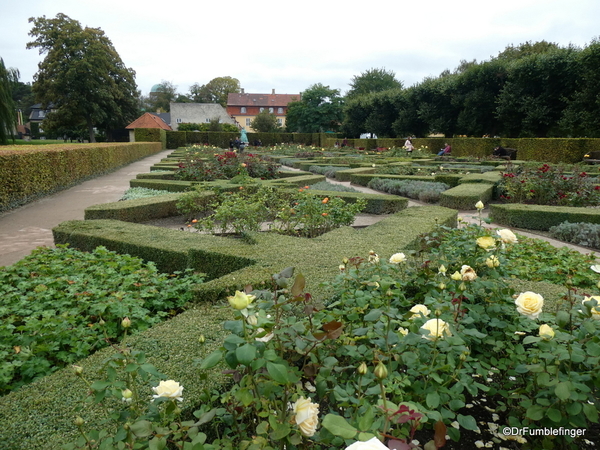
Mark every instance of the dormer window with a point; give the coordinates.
(243, 110)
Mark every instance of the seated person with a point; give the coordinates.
(446, 150)
(505, 153)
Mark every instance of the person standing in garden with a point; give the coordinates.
(408, 145)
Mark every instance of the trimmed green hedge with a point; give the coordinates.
(138, 210)
(345, 175)
(464, 196)
(151, 135)
(541, 217)
(162, 185)
(29, 172)
(363, 179)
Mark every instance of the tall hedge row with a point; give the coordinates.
(553, 150)
(29, 172)
(176, 139)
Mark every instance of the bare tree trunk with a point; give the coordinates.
(91, 129)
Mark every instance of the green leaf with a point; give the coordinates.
(562, 390)
(278, 372)
(535, 412)
(433, 400)
(338, 426)
(157, 443)
(467, 422)
(593, 349)
(282, 430)
(530, 339)
(563, 318)
(554, 415)
(365, 422)
(373, 315)
(590, 412)
(245, 354)
(142, 428)
(262, 428)
(211, 360)
(299, 284)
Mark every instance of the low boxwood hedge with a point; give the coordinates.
(138, 210)
(540, 217)
(464, 196)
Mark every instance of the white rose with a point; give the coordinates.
(417, 310)
(306, 416)
(596, 309)
(397, 258)
(530, 304)
(169, 389)
(371, 444)
(467, 273)
(507, 236)
(437, 329)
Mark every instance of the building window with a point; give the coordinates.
(207, 120)
(178, 120)
(271, 110)
(280, 122)
(262, 109)
(42, 114)
(248, 121)
(243, 110)
(279, 110)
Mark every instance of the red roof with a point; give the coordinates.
(269, 100)
(148, 120)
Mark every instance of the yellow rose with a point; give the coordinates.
(530, 304)
(397, 258)
(492, 262)
(456, 276)
(306, 416)
(437, 329)
(168, 389)
(546, 332)
(467, 273)
(486, 242)
(596, 309)
(479, 205)
(507, 236)
(240, 300)
(442, 270)
(403, 331)
(417, 310)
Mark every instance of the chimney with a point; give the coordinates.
(242, 90)
(273, 91)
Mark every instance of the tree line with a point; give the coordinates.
(531, 90)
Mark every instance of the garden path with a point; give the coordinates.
(30, 226)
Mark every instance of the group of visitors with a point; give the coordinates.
(237, 144)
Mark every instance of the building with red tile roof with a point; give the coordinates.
(245, 107)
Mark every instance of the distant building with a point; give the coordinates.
(245, 107)
(146, 120)
(198, 113)
(37, 116)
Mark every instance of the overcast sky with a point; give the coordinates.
(288, 46)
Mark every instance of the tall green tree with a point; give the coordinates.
(319, 110)
(82, 76)
(265, 122)
(215, 91)
(373, 80)
(8, 118)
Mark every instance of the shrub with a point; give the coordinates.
(140, 192)
(328, 171)
(326, 186)
(429, 191)
(548, 185)
(225, 166)
(585, 234)
(59, 305)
